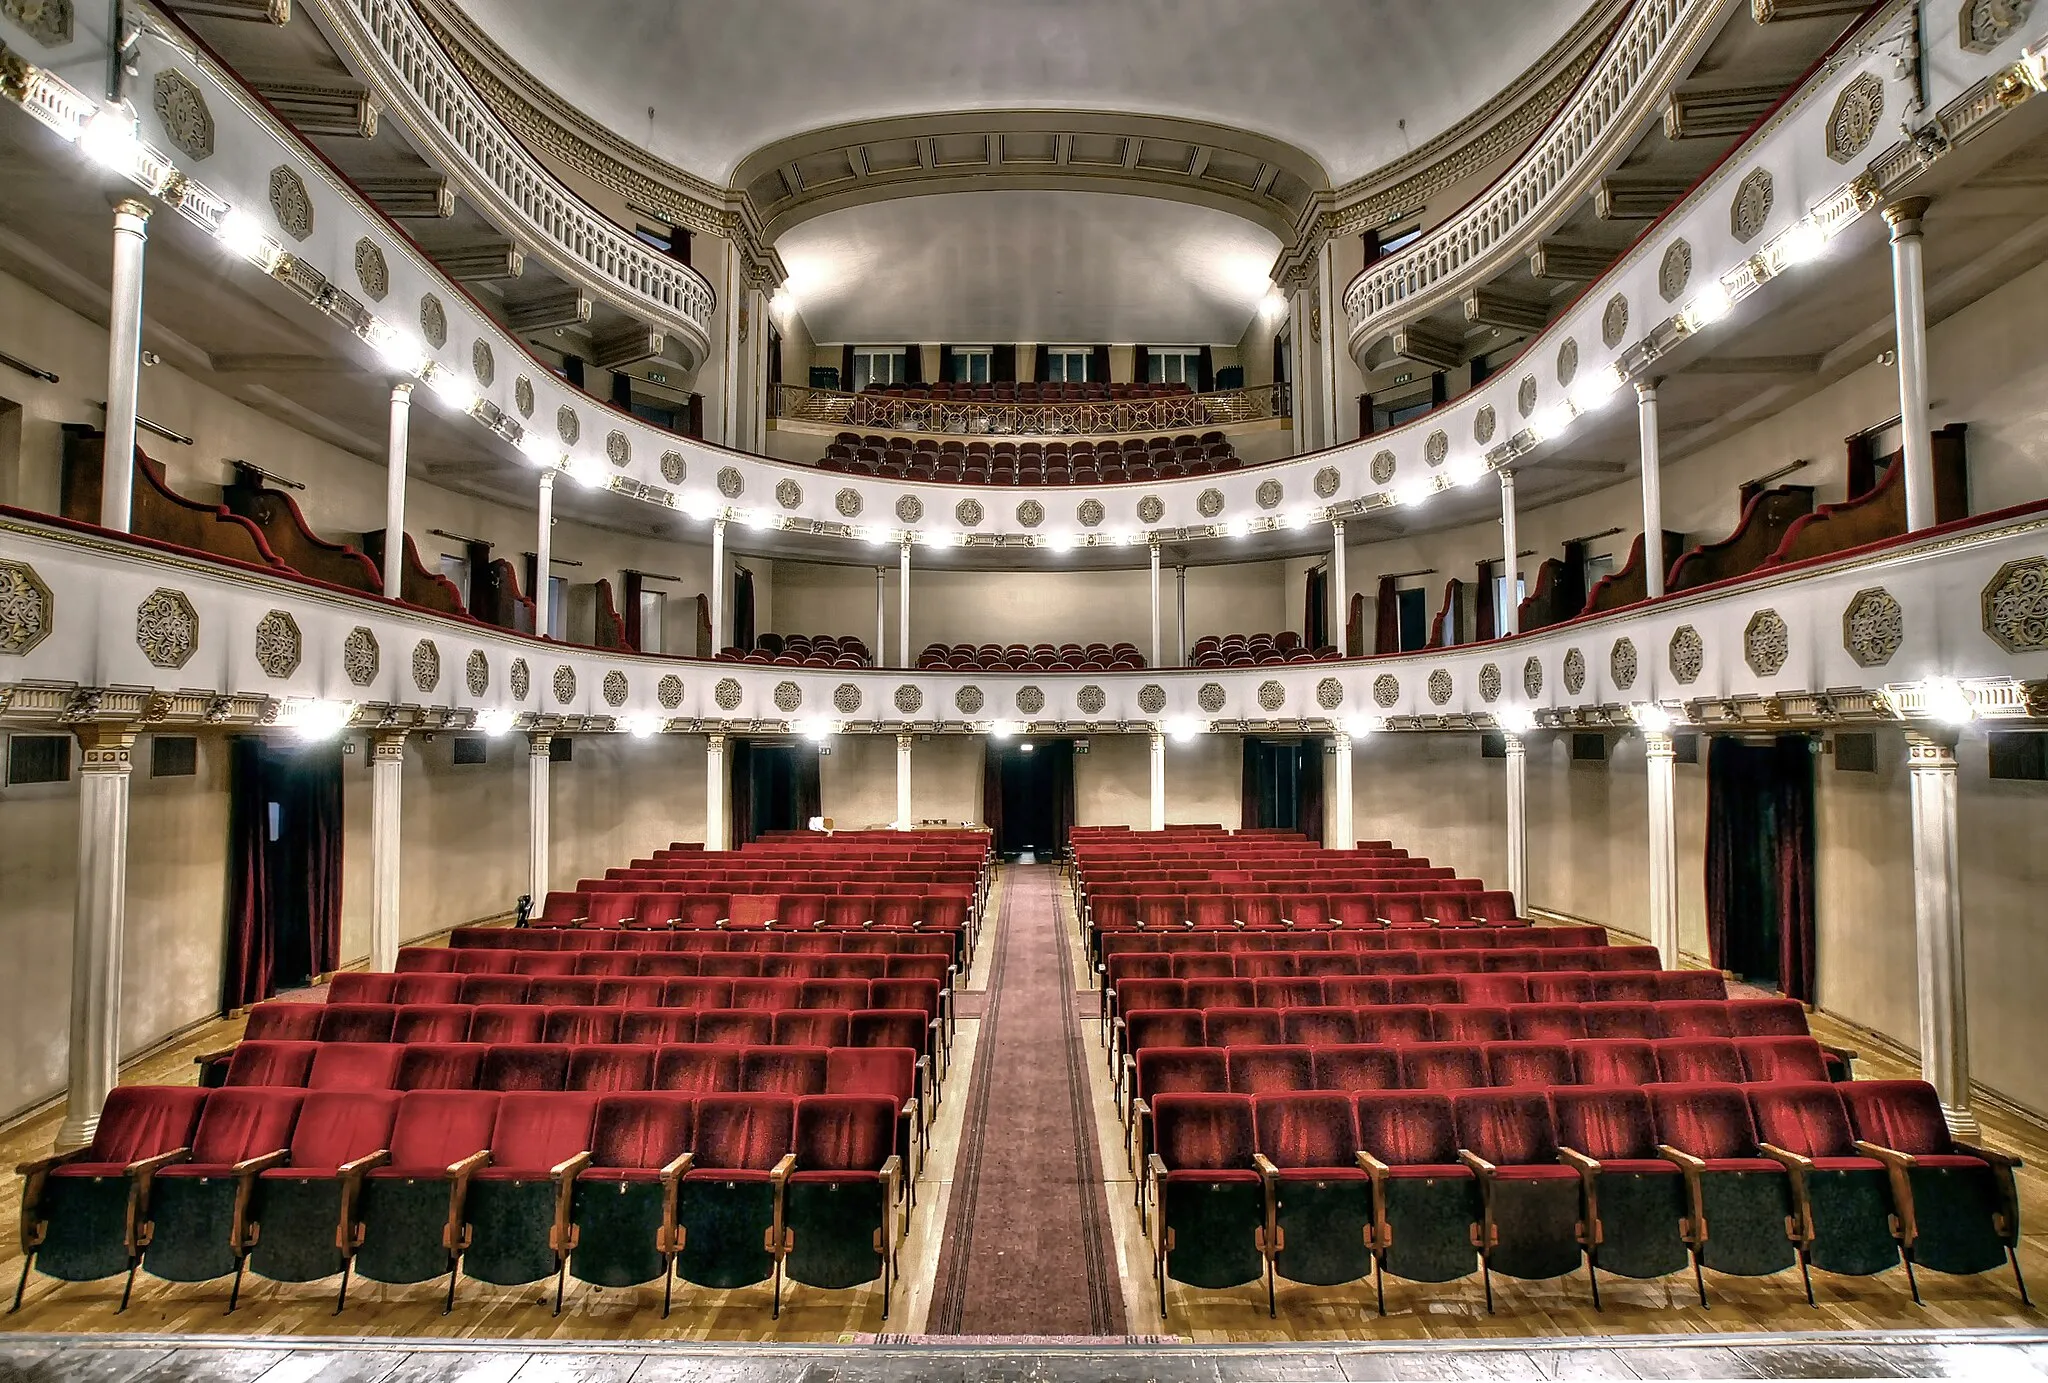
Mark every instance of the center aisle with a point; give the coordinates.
(1028, 1249)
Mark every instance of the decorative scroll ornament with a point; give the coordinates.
(1614, 321)
(788, 696)
(1687, 654)
(1090, 513)
(1532, 676)
(788, 494)
(1484, 423)
(1329, 693)
(1386, 690)
(1766, 643)
(1568, 361)
(1987, 23)
(1873, 627)
(360, 655)
(1489, 683)
(426, 665)
(433, 321)
(909, 700)
(482, 363)
(522, 396)
(1327, 482)
(673, 467)
(1436, 447)
(371, 271)
(968, 700)
(568, 426)
(1525, 396)
(1209, 503)
(1621, 663)
(181, 108)
(968, 513)
(290, 203)
(619, 451)
(2016, 606)
(731, 483)
(669, 691)
(1752, 205)
(27, 612)
(1091, 699)
(1853, 123)
(1439, 686)
(1030, 700)
(1272, 696)
(1268, 495)
(726, 695)
(846, 698)
(1151, 509)
(1675, 272)
(1151, 698)
(278, 644)
(1210, 697)
(1031, 513)
(1574, 672)
(166, 628)
(476, 672)
(615, 688)
(848, 502)
(565, 684)
(1382, 468)
(521, 679)
(48, 21)
(909, 509)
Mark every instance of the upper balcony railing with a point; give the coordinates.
(392, 49)
(1647, 51)
(990, 418)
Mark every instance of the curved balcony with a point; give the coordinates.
(397, 56)
(994, 418)
(1654, 45)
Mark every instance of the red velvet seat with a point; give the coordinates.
(1232, 1027)
(1319, 1026)
(1393, 1023)
(271, 1062)
(697, 1068)
(355, 1066)
(579, 1023)
(440, 1066)
(1270, 1069)
(355, 987)
(431, 1023)
(1698, 1061)
(525, 1066)
(606, 1067)
(355, 1022)
(1783, 1058)
(1613, 1061)
(1528, 1065)
(1357, 1066)
(1620, 1020)
(811, 1028)
(1468, 1023)
(1545, 1022)
(1442, 1066)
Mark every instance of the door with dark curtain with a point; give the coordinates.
(1315, 610)
(774, 788)
(1283, 785)
(1030, 783)
(1760, 861)
(284, 858)
(743, 609)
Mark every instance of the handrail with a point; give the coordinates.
(983, 417)
(395, 52)
(1577, 141)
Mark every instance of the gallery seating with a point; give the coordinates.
(1107, 462)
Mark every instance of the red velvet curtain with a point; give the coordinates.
(1308, 783)
(992, 788)
(739, 767)
(743, 609)
(1248, 795)
(1760, 860)
(1386, 634)
(1315, 619)
(285, 864)
(1488, 626)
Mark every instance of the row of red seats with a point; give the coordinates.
(486, 938)
(614, 1190)
(1248, 962)
(1328, 1188)
(1350, 940)
(628, 906)
(419, 961)
(641, 991)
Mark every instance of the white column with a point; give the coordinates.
(1518, 823)
(1344, 830)
(1340, 591)
(718, 638)
(97, 925)
(716, 835)
(903, 818)
(1653, 488)
(1938, 927)
(124, 369)
(544, 556)
(881, 616)
(1329, 300)
(1511, 615)
(1158, 780)
(1180, 651)
(1158, 649)
(1661, 758)
(1909, 303)
(903, 607)
(538, 836)
(387, 772)
(394, 491)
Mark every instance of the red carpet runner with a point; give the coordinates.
(1028, 1249)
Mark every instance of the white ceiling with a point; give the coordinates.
(1045, 266)
(1333, 77)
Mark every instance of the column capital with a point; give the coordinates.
(1657, 744)
(1341, 742)
(108, 745)
(1158, 740)
(540, 743)
(387, 746)
(1904, 215)
(1646, 389)
(401, 392)
(1931, 748)
(715, 743)
(1513, 740)
(135, 207)
(904, 739)
(1507, 479)
(1337, 527)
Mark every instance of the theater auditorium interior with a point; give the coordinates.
(1156, 689)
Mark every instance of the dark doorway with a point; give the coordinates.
(1760, 850)
(284, 851)
(774, 788)
(1414, 619)
(1028, 795)
(1283, 785)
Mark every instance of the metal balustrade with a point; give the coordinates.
(991, 418)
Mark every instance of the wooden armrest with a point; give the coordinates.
(1685, 1160)
(208, 1058)
(780, 1172)
(1572, 1157)
(1791, 1161)
(1155, 1167)
(352, 1171)
(1891, 1157)
(891, 1171)
(1373, 1167)
(1265, 1167)
(1141, 1108)
(250, 1166)
(1846, 1054)
(1996, 1157)
(569, 1167)
(43, 1165)
(150, 1166)
(1481, 1168)
(469, 1166)
(673, 1172)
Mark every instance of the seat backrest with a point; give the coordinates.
(1207, 1132)
(602, 1067)
(1442, 1066)
(640, 1132)
(1903, 1115)
(537, 1132)
(1528, 1065)
(431, 1022)
(1407, 1128)
(1398, 1023)
(844, 1133)
(1805, 1117)
(697, 1068)
(336, 1127)
(510, 1066)
(355, 1066)
(1270, 1069)
(1509, 1128)
(1604, 1122)
(438, 1128)
(1710, 1121)
(783, 1070)
(244, 1122)
(1788, 1058)
(744, 1132)
(440, 1065)
(268, 1062)
(1357, 1066)
(1319, 1026)
(1316, 1129)
(1766, 1018)
(1613, 1061)
(889, 1071)
(1545, 1022)
(1468, 1023)
(1698, 1061)
(1164, 1027)
(1231, 1027)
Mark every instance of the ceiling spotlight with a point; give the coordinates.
(1181, 729)
(1299, 518)
(589, 474)
(1597, 389)
(1709, 307)
(1803, 244)
(871, 534)
(1413, 492)
(539, 449)
(699, 506)
(1516, 720)
(242, 235)
(642, 725)
(1125, 537)
(452, 390)
(1061, 541)
(1649, 716)
(759, 518)
(1552, 422)
(1358, 727)
(398, 350)
(937, 537)
(496, 721)
(1237, 528)
(817, 729)
(1948, 701)
(1025, 748)
(1001, 729)
(109, 139)
(1465, 470)
(323, 720)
